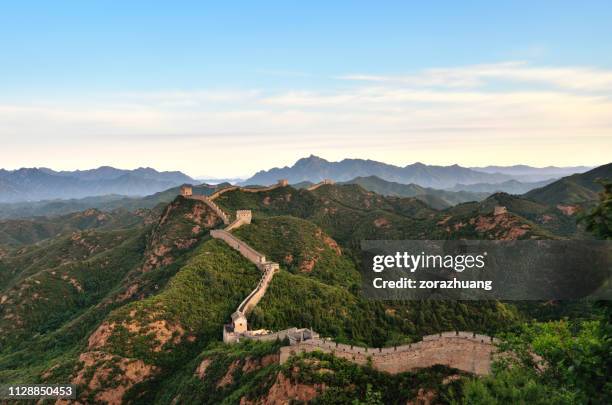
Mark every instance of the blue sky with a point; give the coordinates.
(152, 83)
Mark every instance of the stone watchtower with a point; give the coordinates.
(186, 190)
(239, 321)
(500, 210)
(283, 182)
(328, 181)
(244, 215)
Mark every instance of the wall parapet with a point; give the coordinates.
(245, 250)
(460, 350)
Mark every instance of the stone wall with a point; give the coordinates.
(316, 186)
(245, 250)
(281, 183)
(257, 294)
(294, 335)
(222, 191)
(463, 350)
(216, 209)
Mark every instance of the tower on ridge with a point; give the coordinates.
(186, 190)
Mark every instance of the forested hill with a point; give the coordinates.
(133, 312)
(574, 189)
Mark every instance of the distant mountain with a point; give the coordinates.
(533, 174)
(438, 199)
(50, 208)
(574, 189)
(315, 169)
(33, 184)
(510, 186)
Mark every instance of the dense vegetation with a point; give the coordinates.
(100, 295)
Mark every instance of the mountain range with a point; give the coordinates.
(508, 186)
(533, 174)
(32, 184)
(315, 169)
(418, 179)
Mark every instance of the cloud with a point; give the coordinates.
(573, 78)
(469, 115)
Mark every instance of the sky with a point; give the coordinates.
(223, 89)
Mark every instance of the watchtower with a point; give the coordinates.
(328, 181)
(186, 190)
(283, 182)
(500, 210)
(239, 321)
(244, 215)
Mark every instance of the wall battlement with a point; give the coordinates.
(460, 350)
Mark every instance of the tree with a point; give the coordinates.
(599, 220)
(547, 363)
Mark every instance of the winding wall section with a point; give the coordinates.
(466, 351)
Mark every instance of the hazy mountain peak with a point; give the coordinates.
(315, 169)
(32, 184)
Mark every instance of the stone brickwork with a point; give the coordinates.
(465, 351)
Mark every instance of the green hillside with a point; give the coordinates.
(575, 189)
(349, 214)
(134, 311)
(438, 199)
(15, 233)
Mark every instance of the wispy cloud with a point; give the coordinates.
(504, 113)
(575, 78)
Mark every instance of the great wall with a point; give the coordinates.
(466, 351)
